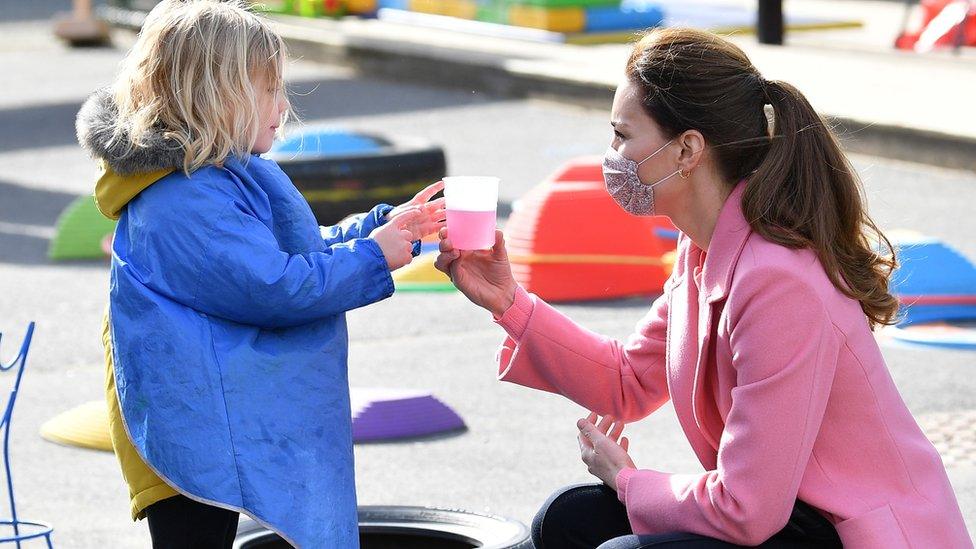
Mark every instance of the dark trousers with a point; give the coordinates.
(181, 523)
(588, 516)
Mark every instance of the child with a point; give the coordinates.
(226, 339)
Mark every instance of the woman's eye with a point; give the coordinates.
(618, 134)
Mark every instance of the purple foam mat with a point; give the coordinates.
(388, 414)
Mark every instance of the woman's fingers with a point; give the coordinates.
(498, 251)
(445, 245)
(625, 443)
(587, 429)
(443, 263)
(605, 424)
(584, 443)
(616, 431)
(592, 417)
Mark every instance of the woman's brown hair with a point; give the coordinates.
(801, 190)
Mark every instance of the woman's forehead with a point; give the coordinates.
(627, 109)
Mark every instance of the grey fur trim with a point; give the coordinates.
(95, 126)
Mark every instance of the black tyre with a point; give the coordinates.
(400, 527)
(338, 185)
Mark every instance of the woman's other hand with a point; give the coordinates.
(483, 276)
(603, 450)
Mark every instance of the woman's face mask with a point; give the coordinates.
(623, 184)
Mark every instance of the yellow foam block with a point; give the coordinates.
(436, 7)
(360, 6)
(85, 426)
(421, 275)
(550, 19)
(465, 9)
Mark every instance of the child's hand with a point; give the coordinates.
(433, 216)
(395, 240)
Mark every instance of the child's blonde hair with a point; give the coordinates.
(191, 74)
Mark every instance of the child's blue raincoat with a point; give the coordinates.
(230, 345)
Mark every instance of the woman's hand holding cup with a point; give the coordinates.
(483, 276)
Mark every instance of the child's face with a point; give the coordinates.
(271, 106)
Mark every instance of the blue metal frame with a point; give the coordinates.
(42, 529)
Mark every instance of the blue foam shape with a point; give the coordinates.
(707, 15)
(628, 16)
(669, 234)
(932, 268)
(394, 4)
(929, 267)
(327, 142)
(918, 314)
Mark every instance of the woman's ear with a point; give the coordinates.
(692, 144)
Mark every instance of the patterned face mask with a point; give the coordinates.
(623, 184)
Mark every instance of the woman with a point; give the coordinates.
(762, 340)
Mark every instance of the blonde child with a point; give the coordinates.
(226, 339)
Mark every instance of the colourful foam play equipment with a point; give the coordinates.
(934, 282)
(939, 24)
(936, 286)
(569, 241)
(84, 426)
(378, 415)
(565, 19)
(385, 415)
(421, 276)
(586, 21)
(81, 229)
(602, 19)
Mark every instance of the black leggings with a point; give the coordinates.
(179, 522)
(588, 516)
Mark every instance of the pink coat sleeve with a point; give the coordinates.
(784, 351)
(546, 350)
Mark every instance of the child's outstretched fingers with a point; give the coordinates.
(428, 192)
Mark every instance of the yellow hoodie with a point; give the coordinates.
(112, 193)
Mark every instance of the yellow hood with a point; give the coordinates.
(113, 191)
(127, 169)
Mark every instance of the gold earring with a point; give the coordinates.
(682, 174)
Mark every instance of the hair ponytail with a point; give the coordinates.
(802, 191)
(806, 194)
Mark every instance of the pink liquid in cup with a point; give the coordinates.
(470, 230)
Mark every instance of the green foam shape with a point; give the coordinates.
(80, 230)
(425, 287)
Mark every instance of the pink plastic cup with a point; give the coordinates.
(472, 204)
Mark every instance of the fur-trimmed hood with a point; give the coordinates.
(95, 127)
(127, 170)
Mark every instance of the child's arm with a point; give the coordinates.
(361, 225)
(214, 254)
(356, 226)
